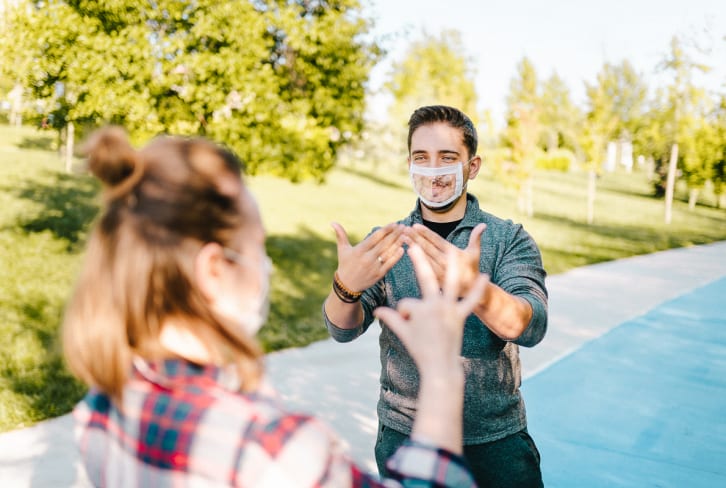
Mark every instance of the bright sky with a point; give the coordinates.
(572, 37)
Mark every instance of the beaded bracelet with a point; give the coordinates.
(344, 293)
(342, 297)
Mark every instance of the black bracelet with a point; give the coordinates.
(341, 296)
(342, 292)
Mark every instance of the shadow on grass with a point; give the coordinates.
(67, 205)
(44, 143)
(663, 238)
(47, 388)
(374, 179)
(304, 266)
(609, 242)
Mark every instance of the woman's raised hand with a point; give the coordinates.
(432, 327)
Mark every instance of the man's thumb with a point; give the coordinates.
(340, 235)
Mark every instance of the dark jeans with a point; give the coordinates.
(512, 462)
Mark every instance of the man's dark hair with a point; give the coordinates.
(450, 115)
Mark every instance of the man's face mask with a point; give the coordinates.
(437, 187)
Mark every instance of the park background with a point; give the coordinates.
(582, 110)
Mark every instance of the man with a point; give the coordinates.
(512, 310)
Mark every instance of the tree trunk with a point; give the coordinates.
(670, 184)
(591, 190)
(530, 197)
(70, 136)
(692, 198)
(16, 105)
(525, 202)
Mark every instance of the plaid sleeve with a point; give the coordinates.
(293, 450)
(416, 464)
(298, 450)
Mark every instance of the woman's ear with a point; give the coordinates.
(209, 269)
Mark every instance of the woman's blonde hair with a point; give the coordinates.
(161, 204)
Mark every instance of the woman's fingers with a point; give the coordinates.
(451, 285)
(394, 320)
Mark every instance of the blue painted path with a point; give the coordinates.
(644, 405)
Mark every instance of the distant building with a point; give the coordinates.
(619, 153)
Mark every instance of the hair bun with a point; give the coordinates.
(113, 160)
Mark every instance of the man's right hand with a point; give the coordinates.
(363, 265)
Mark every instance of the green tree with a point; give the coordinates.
(706, 160)
(14, 62)
(561, 119)
(686, 104)
(616, 102)
(615, 111)
(718, 173)
(435, 70)
(522, 132)
(281, 82)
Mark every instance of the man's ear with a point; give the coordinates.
(209, 267)
(474, 167)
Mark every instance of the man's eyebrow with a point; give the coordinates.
(443, 151)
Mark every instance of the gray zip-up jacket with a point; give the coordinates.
(493, 405)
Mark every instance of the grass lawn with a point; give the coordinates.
(45, 214)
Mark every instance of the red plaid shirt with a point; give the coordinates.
(185, 425)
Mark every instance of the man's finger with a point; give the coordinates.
(424, 273)
(340, 235)
(389, 259)
(394, 238)
(434, 252)
(475, 293)
(475, 238)
(379, 235)
(431, 237)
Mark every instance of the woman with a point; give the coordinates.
(161, 327)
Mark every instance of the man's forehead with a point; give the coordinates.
(439, 137)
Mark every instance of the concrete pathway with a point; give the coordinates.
(339, 382)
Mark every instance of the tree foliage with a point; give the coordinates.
(615, 109)
(524, 109)
(434, 71)
(682, 107)
(523, 131)
(560, 117)
(281, 82)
